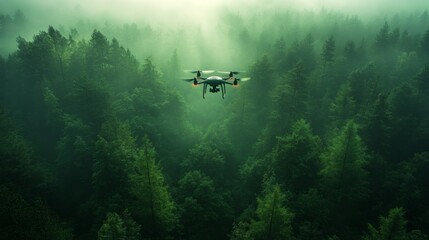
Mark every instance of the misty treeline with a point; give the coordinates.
(329, 139)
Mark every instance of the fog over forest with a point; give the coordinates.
(323, 132)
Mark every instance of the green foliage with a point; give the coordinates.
(112, 228)
(423, 81)
(304, 51)
(376, 129)
(296, 102)
(344, 106)
(364, 84)
(273, 219)
(382, 38)
(297, 157)
(204, 212)
(424, 44)
(343, 165)
(207, 159)
(17, 166)
(393, 227)
(119, 227)
(344, 178)
(80, 108)
(154, 205)
(328, 52)
(27, 219)
(114, 153)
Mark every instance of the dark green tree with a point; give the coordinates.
(382, 39)
(207, 159)
(376, 128)
(272, 219)
(114, 154)
(350, 50)
(422, 79)
(290, 99)
(344, 106)
(154, 205)
(328, 52)
(205, 213)
(424, 46)
(279, 56)
(119, 227)
(60, 45)
(404, 122)
(97, 56)
(29, 219)
(112, 228)
(296, 156)
(344, 177)
(391, 227)
(297, 81)
(303, 50)
(364, 85)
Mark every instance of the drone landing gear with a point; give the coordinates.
(214, 89)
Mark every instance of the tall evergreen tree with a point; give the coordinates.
(154, 205)
(272, 219)
(296, 156)
(382, 39)
(391, 227)
(343, 108)
(344, 177)
(424, 46)
(112, 228)
(205, 213)
(97, 57)
(328, 53)
(119, 227)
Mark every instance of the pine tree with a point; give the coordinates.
(205, 213)
(291, 98)
(297, 157)
(328, 53)
(154, 205)
(60, 46)
(364, 85)
(391, 227)
(273, 219)
(97, 57)
(424, 46)
(344, 178)
(344, 106)
(382, 39)
(113, 228)
(350, 51)
(377, 125)
(423, 82)
(279, 56)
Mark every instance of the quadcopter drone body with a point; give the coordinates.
(216, 83)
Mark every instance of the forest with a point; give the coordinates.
(329, 140)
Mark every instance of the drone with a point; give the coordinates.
(216, 83)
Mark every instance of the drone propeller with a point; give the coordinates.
(231, 73)
(199, 71)
(188, 79)
(243, 79)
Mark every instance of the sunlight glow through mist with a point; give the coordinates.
(194, 11)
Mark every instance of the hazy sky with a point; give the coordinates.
(175, 11)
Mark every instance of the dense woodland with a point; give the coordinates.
(100, 139)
